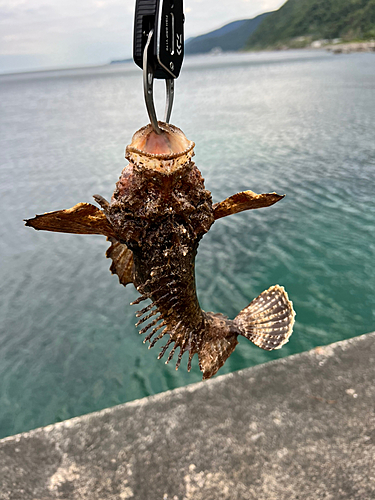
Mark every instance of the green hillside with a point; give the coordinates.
(231, 37)
(315, 19)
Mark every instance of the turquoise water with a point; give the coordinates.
(299, 123)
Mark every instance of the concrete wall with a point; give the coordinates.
(297, 428)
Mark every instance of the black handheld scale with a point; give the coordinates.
(166, 49)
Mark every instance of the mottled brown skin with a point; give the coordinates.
(163, 228)
(158, 213)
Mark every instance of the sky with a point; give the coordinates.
(41, 34)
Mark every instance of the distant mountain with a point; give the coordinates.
(302, 21)
(121, 61)
(231, 37)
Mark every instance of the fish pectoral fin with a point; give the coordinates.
(268, 320)
(245, 200)
(218, 343)
(213, 355)
(122, 261)
(83, 218)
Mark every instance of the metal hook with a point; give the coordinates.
(169, 99)
(148, 84)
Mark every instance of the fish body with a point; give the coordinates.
(157, 215)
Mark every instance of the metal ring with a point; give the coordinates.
(148, 88)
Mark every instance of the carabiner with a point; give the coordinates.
(148, 88)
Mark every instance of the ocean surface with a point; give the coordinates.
(299, 123)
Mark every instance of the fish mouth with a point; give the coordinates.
(168, 145)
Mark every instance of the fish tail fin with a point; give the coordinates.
(268, 320)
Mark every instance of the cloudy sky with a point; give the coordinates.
(38, 34)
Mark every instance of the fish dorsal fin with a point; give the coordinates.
(268, 320)
(122, 261)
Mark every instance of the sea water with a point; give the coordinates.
(298, 123)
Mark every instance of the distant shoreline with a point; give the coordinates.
(53, 69)
(340, 48)
(349, 47)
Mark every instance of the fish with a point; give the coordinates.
(158, 213)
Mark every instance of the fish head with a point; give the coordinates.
(161, 187)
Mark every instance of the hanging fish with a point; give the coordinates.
(157, 215)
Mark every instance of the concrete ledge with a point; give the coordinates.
(297, 428)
